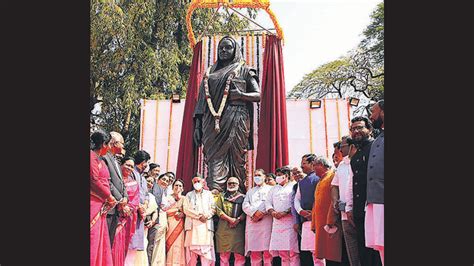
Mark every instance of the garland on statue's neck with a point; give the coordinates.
(217, 115)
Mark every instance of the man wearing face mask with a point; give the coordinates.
(117, 186)
(303, 203)
(284, 239)
(374, 216)
(361, 129)
(199, 207)
(259, 223)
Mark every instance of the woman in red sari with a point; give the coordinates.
(175, 233)
(100, 200)
(128, 219)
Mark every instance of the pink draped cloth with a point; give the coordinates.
(127, 225)
(100, 191)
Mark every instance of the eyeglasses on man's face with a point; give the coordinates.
(358, 128)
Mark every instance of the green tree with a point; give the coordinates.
(328, 80)
(139, 50)
(373, 43)
(358, 74)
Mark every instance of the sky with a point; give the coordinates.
(317, 31)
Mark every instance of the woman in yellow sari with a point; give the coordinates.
(173, 205)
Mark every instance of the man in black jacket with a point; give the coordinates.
(361, 130)
(117, 187)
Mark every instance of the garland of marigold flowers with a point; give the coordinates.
(217, 115)
(261, 4)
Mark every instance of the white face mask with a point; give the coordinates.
(280, 179)
(197, 186)
(258, 180)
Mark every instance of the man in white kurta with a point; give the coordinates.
(284, 239)
(259, 223)
(199, 207)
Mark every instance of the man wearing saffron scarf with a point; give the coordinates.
(223, 115)
(199, 207)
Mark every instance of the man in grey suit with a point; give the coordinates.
(374, 216)
(117, 186)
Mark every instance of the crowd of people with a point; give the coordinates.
(321, 212)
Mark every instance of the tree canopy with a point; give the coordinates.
(139, 50)
(359, 73)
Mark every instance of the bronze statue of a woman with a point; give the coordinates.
(223, 117)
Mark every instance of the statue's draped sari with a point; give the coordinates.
(225, 150)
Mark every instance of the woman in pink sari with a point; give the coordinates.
(175, 234)
(100, 200)
(128, 219)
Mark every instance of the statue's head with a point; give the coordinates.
(228, 50)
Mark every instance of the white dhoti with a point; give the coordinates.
(199, 240)
(283, 237)
(258, 234)
(307, 237)
(374, 226)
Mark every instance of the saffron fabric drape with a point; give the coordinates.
(272, 147)
(187, 156)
